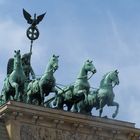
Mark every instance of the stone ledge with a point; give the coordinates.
(21, 115)
(12, 106)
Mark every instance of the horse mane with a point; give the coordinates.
(101, 83)
(10, 66)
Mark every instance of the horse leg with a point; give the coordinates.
(16, 86)
(21, 93)
(42, 94)
(59, 102)
(6, 97)
(28, 100)
(117, 108)
(101, 105)
(39, 99)
(81, 106)
(69, 107)
(74, 108)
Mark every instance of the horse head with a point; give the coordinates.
(53, 63)
(114, 77)
(88, 65)
(110, 79)
(17, 58)
(17, 54)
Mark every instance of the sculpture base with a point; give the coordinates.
(29, 122)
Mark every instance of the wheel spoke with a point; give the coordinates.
(32, 33)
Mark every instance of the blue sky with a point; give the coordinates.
(107, 32)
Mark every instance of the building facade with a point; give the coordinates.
(19, 121)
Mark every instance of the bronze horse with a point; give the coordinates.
(14, 82)
(39, 88)
(101, 97)
(77, 92)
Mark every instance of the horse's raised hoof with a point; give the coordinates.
(114, 115)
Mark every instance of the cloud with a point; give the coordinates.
(12, 36)
(119, 43)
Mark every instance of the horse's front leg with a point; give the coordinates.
(86, 96)
(15, 86)
(28, 99)
(74, 108)
(6, 97)
(117, 108)
(22, 94)
(59, 102)
(101, 105)
(42, 94)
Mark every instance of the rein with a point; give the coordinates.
(112, 83)
(52, 69)
(86, 76)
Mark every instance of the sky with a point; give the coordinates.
(107, 32)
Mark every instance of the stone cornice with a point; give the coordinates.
(59, 119)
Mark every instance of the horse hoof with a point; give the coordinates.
(113, 116)
(14, 99)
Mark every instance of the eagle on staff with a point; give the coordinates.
(33, 21)
(32, 32)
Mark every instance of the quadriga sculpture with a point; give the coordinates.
(14, 82)
(77, 92)
(103, 96)
(39, 88)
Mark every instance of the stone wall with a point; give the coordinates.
(29, 122)
(3, 131)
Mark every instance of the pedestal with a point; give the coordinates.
(30, 122)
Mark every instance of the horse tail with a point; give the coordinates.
(10, 66)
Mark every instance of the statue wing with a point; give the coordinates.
(39, 18)
(10, 66)
(27, 16)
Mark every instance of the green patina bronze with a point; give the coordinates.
(77, 92)
(39, 88)
(15, 80)
(28, 70)
(2, 100)
(32, 32)
(21, 83)
(101, 97)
